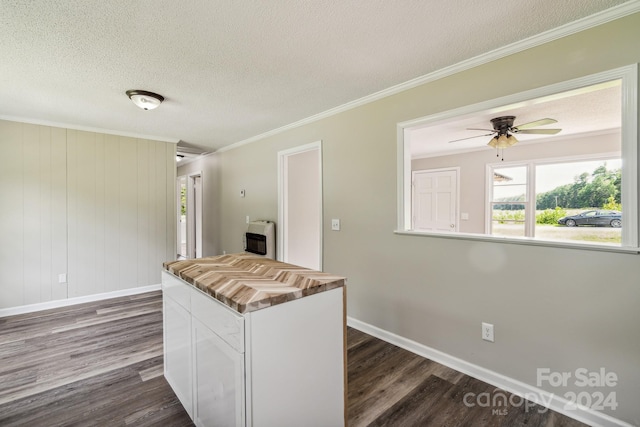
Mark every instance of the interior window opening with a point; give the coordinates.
(544, 165)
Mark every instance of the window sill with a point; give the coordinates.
(520, 241)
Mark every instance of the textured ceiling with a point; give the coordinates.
(231, 70)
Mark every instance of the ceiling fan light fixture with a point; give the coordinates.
(145, 99)
(503, 141)
(503, 130)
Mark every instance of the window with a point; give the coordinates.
(524, 192)
(561, 190)
(509, 206)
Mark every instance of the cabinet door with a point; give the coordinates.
(177, 351)
(218, 380)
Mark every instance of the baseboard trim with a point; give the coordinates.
(30, 308)
(519, 388)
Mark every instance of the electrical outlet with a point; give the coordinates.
(335, 224)
(62, 278)
(242, 193)
(487, 332)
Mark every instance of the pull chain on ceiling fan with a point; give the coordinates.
(504, 130)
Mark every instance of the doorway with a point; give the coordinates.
(300, 206)
(189, 216)
(182, 217)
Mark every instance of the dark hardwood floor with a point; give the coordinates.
(390, 386)
(100, 364)
(91, 364)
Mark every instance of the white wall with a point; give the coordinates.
(97, 207)
(552, 307)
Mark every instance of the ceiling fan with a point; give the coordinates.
(504, 130)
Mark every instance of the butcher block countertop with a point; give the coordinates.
(246, 282)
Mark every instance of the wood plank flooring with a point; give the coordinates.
(100, 364)
(390, 386)
(94, 364)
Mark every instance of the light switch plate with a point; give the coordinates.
(335, 224)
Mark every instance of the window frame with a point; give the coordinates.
(489, 188)
(531, 190)
(629, 154)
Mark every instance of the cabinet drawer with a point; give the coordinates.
(176, 289)
(222, 320)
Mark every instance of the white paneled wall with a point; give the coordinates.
(33, 230)
(99, 208)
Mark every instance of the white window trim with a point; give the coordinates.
(629, 77)
(488, 214)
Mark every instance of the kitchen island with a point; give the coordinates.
(256, 342)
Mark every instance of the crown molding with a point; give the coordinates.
(574, 27)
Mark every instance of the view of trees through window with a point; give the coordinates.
(598, 188)
(563, 191)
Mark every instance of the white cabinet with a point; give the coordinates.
(177, 350)
(218, 380)
(276, 367)
(296, 362)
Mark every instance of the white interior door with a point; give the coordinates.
(300, 206)
(435, 200)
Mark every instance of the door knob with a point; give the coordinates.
(453, 226)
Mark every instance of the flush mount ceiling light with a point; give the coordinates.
(144, 99)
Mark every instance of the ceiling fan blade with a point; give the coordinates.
(488, 130)
(477, 136)
(537, 123)
(539, 131)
